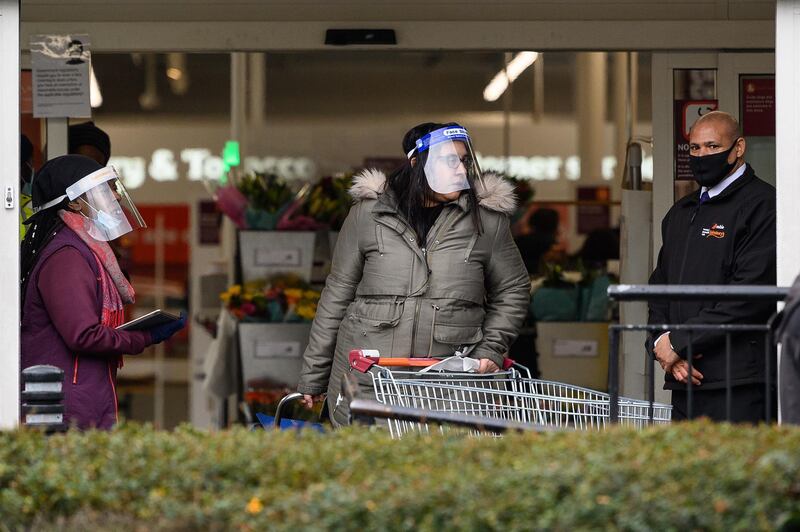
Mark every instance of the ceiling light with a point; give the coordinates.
(502, 79)
(95, 96)
(174, 73)
(178, 73)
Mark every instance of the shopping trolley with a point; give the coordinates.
(278, 421)
(510, 394)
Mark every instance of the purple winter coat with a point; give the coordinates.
(61, 327)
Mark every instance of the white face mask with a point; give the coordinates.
(104, 226)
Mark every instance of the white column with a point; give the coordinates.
(507, 100)
(622, 126)
(238, 125)
(9, 217)
(787, 157)
(538, 89)
(590, 101)
(257, 93)
(57, 142)
(787, 137)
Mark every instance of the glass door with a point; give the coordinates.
(747, 91)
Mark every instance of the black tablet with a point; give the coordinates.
(148, 321)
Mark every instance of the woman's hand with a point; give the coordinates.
(487, 366)
(309, 400)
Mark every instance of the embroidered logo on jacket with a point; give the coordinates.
(715, 231)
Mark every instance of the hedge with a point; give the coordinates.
(685, 476)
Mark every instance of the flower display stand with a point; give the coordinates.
(266, 253)
(272, 353)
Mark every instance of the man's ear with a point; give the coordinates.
(741, 146)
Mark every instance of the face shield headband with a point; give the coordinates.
(450, 165)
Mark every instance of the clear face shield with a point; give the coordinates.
(111, 211)
(450, 165)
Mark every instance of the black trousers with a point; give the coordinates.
(748, 404)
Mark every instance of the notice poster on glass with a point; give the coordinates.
(594, 211)
(758, 105)
(61, 65)
(686, 113)
(757, 114)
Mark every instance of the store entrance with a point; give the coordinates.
(560, 130)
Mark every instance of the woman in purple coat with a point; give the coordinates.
(73, 290)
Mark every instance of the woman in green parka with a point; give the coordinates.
(424, 265)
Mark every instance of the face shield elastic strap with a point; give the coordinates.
(97, 212)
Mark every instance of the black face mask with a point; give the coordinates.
(709, 170)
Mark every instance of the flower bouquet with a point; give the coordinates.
(329, 200)
(279, 299)
(264, 201)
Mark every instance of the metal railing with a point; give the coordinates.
(649, 293)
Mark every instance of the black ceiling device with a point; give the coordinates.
(343, 37)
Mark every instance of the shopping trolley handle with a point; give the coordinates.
(363, 359)
(361, 362)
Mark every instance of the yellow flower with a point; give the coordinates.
(293, 293)
(225, 296)
(235, 290)
(254, 506)
(306, 311)
(311, 294)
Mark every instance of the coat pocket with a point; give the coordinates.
(457, 335)
(381, 313)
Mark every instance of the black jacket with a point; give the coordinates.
(730, 239)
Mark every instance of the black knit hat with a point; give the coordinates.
(56, 175)
(88, 134)
(25, 149)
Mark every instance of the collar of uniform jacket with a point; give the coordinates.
(720, 187)
(738, 183)
(494, 192)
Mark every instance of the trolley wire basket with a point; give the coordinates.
(510, 395)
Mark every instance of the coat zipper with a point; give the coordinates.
(433, 325)
(686, 251)
(113, 392)
(416, 307)
(445, 223)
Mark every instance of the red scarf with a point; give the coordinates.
(116, 289)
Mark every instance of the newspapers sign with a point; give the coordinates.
(61, 65)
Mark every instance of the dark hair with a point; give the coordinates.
(39, 234)
(25, 156)
(600, 246)
(544, 220)
(410, 187)
(88, 134)
(25, 149)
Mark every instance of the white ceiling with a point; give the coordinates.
(391, 10)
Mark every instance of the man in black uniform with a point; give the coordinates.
(722, 234)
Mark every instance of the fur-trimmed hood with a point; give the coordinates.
(494, 192)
